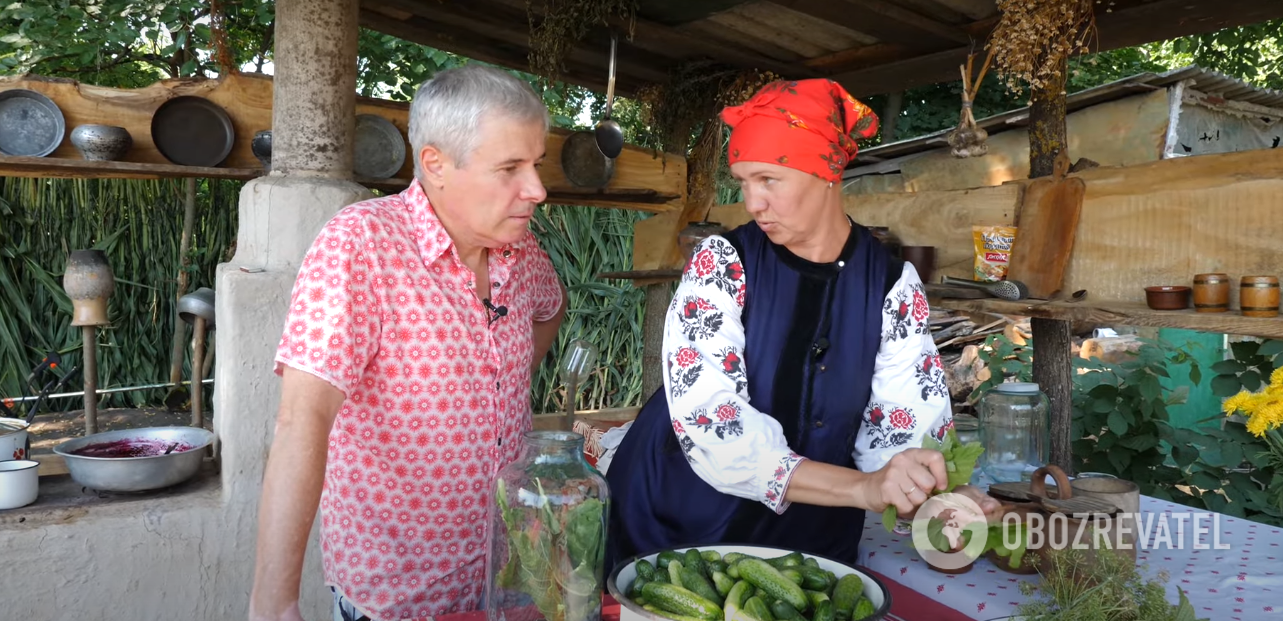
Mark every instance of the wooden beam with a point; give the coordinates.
(1110, 313)
(642, 180)
(862, 57)
(896, 13)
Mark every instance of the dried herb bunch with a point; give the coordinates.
(557, 25)
(1105, 587)
(1033, 39)
(696, 91)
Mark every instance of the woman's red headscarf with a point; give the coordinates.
(810, 125)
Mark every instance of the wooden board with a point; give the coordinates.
(1047, 226)
(642, 180)
(1110, 313)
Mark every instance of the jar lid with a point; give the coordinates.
(1017, 388)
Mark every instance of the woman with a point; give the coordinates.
(800, 370)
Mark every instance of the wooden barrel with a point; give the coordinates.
(1211, 293)
(1259, 296)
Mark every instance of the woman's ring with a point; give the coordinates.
(911, 490)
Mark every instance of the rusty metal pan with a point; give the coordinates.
(31, 124)
(192, 131)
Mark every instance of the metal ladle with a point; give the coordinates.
(610, 137)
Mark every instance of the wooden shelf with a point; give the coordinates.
(1124, 313)
(12, 166)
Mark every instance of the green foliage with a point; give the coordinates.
(1108, 587)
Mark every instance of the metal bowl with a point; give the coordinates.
(30, 124)
(136, 474)
(624, 574)
(199, 303)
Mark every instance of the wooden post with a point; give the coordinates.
(177, 350)
(1053, 362)
(657, 300)
(891, 116)
(198, 365)
(91, 378)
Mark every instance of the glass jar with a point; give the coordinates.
(547, 534)
(1014, 431)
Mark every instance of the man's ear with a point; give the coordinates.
(433, 162)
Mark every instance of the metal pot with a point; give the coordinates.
(261, 147)
(136, 474)
(19, 483)
(15, 442)
(101, 142)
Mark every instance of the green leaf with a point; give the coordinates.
(1226, 385)
(1270, 348)
(1195, 374)
(1245, 349)
(1251, 380)
(1139, 443)
(1117, 423)
(1102, 406)
(1150, 388)
(1120, 459)
(1205, 482)
(1231, 454)
(1228, 367)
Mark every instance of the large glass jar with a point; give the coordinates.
(1014, 431)
(548, 518)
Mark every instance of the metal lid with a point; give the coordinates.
(1017, 388)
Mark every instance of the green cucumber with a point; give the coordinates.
(662, 577)
(735, 599)
(792, 559)
(670, 615)
(847, 592)
(816, 597)
(635, 589)
(640, 600)
(733, 557)
(811, 562)
(694, 561)
(716, 566)
(645, 570)
(823, 611)
(700, 585)
(793, 575)
(711, 555)
(666, 557)
(681, 601)
(863, 609)
(784, 612)
(756, 610)
(723, 583)
(769, 579)
(675, 573)
(813, 579)
(733, 571)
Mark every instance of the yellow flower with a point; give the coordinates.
(1276, 378)
(1241, 401)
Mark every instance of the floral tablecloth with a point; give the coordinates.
(1241, 583)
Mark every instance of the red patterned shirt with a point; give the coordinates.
(437, 398)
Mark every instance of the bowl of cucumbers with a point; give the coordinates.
(744, 583)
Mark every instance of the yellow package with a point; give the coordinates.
(993, 251)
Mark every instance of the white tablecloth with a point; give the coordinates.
(1242, 583)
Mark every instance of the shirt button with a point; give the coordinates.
(819, 424)
(823, 368)
(495, 284)
(507, 253)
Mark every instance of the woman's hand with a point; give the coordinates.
(905, 482)
(991, 507)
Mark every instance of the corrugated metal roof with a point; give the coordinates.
(1203, 80)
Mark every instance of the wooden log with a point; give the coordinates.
(1111, 349)
(658, 297)
(1053, 372)
(642, 180)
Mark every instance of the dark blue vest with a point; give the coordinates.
(813, 332)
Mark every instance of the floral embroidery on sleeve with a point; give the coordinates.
(930, 375)
(731, 445)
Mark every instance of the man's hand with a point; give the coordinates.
(291, 492)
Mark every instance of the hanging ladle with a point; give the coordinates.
(610, 137)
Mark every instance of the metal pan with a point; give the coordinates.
(583, 162)
(30, 124)
(379, 149)
(192, 131)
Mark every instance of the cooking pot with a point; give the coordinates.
(15, 443)
(141, 473)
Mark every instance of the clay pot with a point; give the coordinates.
(1167, 297)
(88, 282)
(1259, 296)
(1211, 293)
(101, 142)
(261, 146)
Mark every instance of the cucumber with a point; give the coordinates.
(640, 600)
(733, 571)
(863, 609)
(635, 589)
(681, 601)
(666, 557)
(700, 585)
(816, 597)
(716, 566)
(769, 579)
(675, 573)
(645, 570)
(813, 579)
(694, 561)
(735, 599)
(733, 557)
(711, 555)
(723, 583)
(756, 610)
(670, 615)
(785, 612)
(766, 598)
(845, 595)
(811, 562)
(793, 575)
(824, 611)
(662, 577)
(792, 559)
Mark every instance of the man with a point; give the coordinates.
(415, 324)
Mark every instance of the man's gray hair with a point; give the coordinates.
(447, 110)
